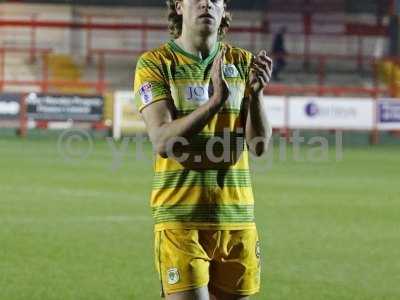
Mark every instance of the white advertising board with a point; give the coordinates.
(127, 119)
(388, 114)
(331, 113)
(275, 110)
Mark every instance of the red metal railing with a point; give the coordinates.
(145, 28)
(283, 89)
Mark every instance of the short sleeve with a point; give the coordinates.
(150, 84)
(247, 60)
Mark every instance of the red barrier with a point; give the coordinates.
(2, 66)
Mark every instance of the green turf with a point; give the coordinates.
(82, 229)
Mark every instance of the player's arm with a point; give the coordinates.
(163, 129)
(258, 130)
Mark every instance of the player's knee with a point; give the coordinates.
(218, 294)
(197, 294)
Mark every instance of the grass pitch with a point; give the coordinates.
(81, 228)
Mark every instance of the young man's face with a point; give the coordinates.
(201, 16)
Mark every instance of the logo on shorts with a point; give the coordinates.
(145, 93)
(258, 249)
(173, 276)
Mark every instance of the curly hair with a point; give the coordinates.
(175, 21)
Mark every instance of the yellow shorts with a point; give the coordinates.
(226, 259)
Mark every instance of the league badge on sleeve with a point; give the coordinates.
(145, 93)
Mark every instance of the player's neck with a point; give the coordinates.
(197, 45)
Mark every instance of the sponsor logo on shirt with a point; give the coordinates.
(197, 94)
(145, 93)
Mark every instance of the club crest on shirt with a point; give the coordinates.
(230, 71)
(145, 93)
(173, 276)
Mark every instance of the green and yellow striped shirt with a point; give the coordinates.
(200, 193)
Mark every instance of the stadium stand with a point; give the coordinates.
(335, 48)
(110, 39)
